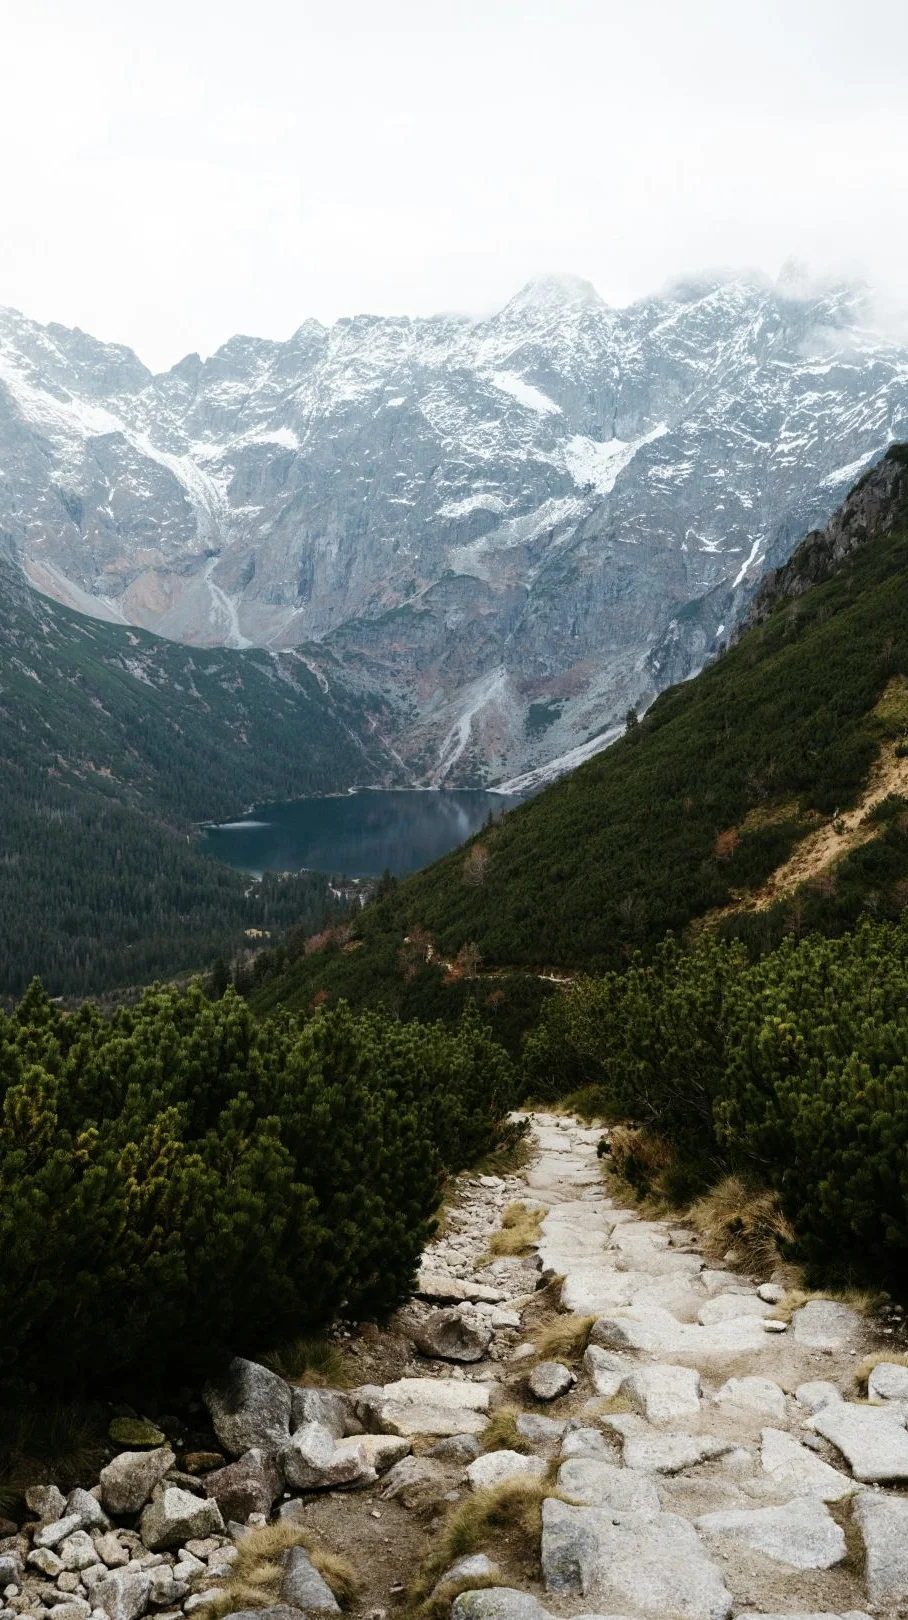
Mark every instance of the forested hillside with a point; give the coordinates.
(693, 809)
(112, 743)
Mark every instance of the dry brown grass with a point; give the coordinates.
(865, 1368)
(437, 1605)
(504, 1521)
(519, 1232)
(744, 1220)
(257, 1575)
(864, 1303)
(565, 1339)
(502, 1434)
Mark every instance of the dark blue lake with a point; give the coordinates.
(358, 835)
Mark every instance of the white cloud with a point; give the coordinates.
(178, 171)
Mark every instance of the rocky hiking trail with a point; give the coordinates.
(607, 1424)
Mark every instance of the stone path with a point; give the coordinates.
(699, 1458)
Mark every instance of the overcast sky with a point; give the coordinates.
(178, 170)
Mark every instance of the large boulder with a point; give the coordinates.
(250, 1408)
(178, 1516)
(249, 1485)
(303, 1587)
(128, 1481)
(447, 1336)
(312, 1461)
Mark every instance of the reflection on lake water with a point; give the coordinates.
(360, 835)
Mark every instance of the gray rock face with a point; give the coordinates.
(89, 1509)
(802, 1534)
(380, 1451)
(461, 1448)
(755, 1394)
(585, 1443)
(303, 1587)
(602, 1485)
(330, 1407)
(662, 1393)
(549, 1380)
(816, 1393)
(313, 1461)
(519, 505)
(447, 1335)
(250, 1408)
(177, 1517)
(824, 1324)
(128, 1481)
(539, 1430)
(650, 1568)
(429, 1406)
(10, 1570)
(123, 1594)
(795, 1469)
(872, 1439)
(498, 1603)
(605, 1369)
(467, 1569)
(46, 1502)
(883, 1522)
(250, 1485)
(415, 1482)
(669, 1453)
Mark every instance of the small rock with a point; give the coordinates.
(458, 1448)
(381, 1451)
(111, 1551)
(220, 1564)
(89, 1509)
(44, 1559)
(330, 1407)
(128, 1481)
(755, 1394)
(883, 1522)
(165, 1588)
(802, 1534)
(69, 1582)
(772, 1293)
(203, 1462)
(136, 1434)
(10, 1570)
(585, 1443)
(539, 1430)
(451, 1291)
(605, 1369)
(78, 1551)
(75, 1608)
(312, 1461)
(250, 1408)
(303, 1587)
(497, 1466)
(51, 1535)
(888, 1382)
(203, 1546)
(771, 1325)
(816, 1394)
(186, 1567)
(824, 1324)
(176, 1516)
(250, 1485)
(415, 1482)
(46, 1502)
(123, 1594)
(550, 1379)
(448, 1336)
(467, 1569)
(662, 1393)
(200, 1600)
(498, 1603)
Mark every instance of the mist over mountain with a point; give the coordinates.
(513, 529)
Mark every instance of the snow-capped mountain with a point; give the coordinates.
(515, 528)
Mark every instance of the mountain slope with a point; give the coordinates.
(112, 743)
(516, 528)
(705, 797)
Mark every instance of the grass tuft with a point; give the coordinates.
(519, 1232)
(865, 1368)
(502, 1434)
(64, 1443)
(437, 1606)
(746, 1220)
(866, 1304)
(505, 1518)
(565, 1339)
(257, 1576)
(318, 1363)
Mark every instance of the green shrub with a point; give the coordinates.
(182, 1181)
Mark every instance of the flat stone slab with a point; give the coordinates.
(816, 1393)
(754, 1394)
(802, 1534)
(797, 1471)
(850, 1614)
(650, 1568)
(497, 1466)
(653, 1329)
(585, 1443)
(669, 1453)
(663, 1393)
(726, 1307)
(871, 1438)
(883, 1523)
(824, 1324)
(601, 1484)
(432, 1406)
(442, 1290)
